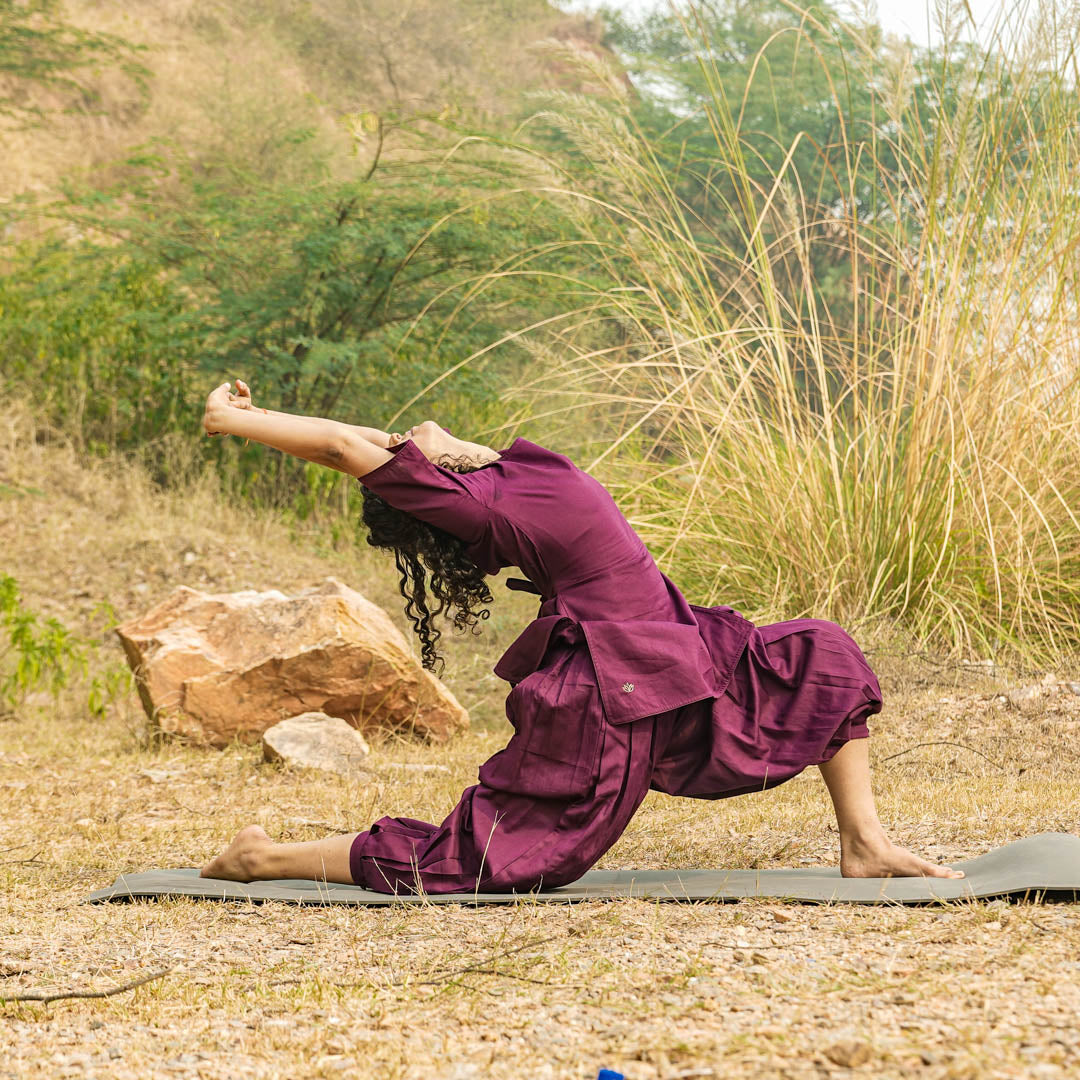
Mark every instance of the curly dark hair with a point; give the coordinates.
(455, 580)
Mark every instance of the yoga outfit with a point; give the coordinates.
(618, 685)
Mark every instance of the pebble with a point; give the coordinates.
(1023, 694)
(848, 1053)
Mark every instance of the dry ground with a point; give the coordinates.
(751, 989)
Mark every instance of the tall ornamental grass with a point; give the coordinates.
(900, 453)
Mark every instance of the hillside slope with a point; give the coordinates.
(249, 75)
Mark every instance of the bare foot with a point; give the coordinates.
(240, 860)
(885, 859)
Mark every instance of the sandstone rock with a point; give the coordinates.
(314, 740)
(215, 668)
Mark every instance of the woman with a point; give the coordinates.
(618, 685)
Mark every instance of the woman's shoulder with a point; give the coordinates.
(527, 452)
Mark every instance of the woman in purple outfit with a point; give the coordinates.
(618, 685)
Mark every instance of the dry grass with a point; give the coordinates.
(750, 989)
(898, 450)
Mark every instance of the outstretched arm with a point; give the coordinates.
(242, 399)
(325, 442)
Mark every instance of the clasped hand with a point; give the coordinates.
(222, 398)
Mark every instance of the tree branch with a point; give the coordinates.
(60, 995)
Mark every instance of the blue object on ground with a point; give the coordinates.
(609, 1074)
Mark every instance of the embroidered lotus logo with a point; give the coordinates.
(628, 687)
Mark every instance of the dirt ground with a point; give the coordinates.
(653, 990)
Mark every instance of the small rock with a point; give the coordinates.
(1074, 688)
(189, 557)
(157, 776)
(1025, 694)
(84, 825)
(848, 1053)
(783, 916)
(314, 740)
(928, 1057)
(758, 958)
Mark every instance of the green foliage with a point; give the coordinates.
(89, 332)
(33, 651)
(788, 103)
(39, 50)
(36, 652)
(345, 298)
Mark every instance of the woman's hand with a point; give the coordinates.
(242, 398)
(222, 399)
(217, 403)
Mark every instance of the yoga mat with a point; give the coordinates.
(1045, 864)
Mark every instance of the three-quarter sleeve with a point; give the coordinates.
(453, 502)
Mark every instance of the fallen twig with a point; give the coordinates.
(943, 742)
(483, 963)
(17, 847)
(33, 860)
(520, 978)
(190, 809)
(482, 967)
(46, 996)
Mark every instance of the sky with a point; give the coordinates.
(908, 18)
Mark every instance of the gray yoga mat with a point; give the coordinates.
(1047, 864)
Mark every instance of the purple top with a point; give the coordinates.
(651, 650)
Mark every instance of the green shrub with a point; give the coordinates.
(33, 651)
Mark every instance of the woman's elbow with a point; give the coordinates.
(334, 448)
(350, 453)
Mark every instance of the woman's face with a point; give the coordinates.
(434, 441)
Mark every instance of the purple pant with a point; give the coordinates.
(562, 792)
